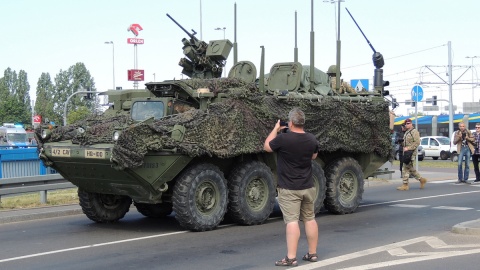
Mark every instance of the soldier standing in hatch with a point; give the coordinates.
(344, 86)
(411, 141)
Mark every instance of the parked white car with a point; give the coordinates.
(436, 147)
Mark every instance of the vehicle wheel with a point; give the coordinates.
(454, 157)
(251, 193)
(320, 183)
(344, 186)
(444, 155)
(103, 208)
(435, 158)
(154, 210)
(200, 197)
(421, 158)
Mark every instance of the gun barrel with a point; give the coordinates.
(181, 27)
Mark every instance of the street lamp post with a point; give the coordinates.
(473, 86)
(113, 57)
(224, 68)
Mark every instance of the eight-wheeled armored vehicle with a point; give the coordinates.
(195, 146)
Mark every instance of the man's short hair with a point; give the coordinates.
(297, 117)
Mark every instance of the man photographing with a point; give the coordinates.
(296, 192)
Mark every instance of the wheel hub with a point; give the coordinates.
(256, 194)
(205, 197)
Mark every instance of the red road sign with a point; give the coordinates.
(135, 41)
(136, 74)
(37, 119)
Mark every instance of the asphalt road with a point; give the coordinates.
(391, 230)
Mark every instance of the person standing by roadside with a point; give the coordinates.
(411, 141)
(399, 141)
(476, 153)
(296, 192)
(464, 140)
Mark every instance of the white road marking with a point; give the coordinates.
(89, 246)
(420, 198)
(398, 250)
(410, 205)
(453, 208)
(359, 254)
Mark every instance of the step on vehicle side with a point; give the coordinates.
(195, 146)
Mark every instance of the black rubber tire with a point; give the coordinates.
(251, 193)
(320, 183)
(344, 186)
(200, 197)
(435, 158)
(444, 155)
(421, 158)
(158, 210)
(103, 208)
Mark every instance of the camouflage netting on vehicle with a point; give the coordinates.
(240, 124)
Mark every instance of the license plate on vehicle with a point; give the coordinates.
(60, 152)
(94, 153)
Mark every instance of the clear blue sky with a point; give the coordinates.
(50, 35)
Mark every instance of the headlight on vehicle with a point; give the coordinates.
(46, 133)
(116, 135)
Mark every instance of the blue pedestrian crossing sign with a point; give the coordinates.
(417, 93)
(359, 85)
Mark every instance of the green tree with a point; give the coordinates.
(67, 82)
(79, 114)
(45, 98)
(14, 97)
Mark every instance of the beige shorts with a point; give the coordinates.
(296, 204)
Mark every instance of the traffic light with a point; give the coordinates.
(413, 103)
(394, 103)
(434, 100)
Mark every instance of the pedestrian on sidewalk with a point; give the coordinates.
(399, 141)
(476, 153)
(411, 141)
(296, 192)
(464, 140)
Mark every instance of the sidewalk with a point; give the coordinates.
(432, 174)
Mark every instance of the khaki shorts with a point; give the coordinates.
(296, 204)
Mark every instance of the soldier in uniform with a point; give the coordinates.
(344, 86)
(411, 140)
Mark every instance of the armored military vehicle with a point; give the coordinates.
(195, 146)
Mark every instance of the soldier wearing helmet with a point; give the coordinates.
(344, 86)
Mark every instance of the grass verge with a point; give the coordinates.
(31, 200)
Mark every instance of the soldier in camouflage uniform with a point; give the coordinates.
(344, 86)
(411, 140)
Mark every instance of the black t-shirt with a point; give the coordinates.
(294, 159)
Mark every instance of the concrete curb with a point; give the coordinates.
(469, 227)
(38, 213)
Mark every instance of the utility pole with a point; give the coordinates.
(471, 67)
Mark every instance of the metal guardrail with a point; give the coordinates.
(42, 183)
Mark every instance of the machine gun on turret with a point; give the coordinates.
(203, 61)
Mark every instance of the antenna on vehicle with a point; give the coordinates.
(378, 62)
